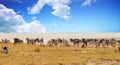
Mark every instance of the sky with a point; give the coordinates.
(41, 16)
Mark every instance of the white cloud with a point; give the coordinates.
(55, 24)
(88, 2)
(61, 11)
(60, 7)
(12, 22)
(34, 27)
(37, 7)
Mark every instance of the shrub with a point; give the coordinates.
(117, 49)
(37, 50)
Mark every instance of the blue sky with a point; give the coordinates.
(59, 16)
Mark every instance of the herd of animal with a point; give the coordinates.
(83, 42)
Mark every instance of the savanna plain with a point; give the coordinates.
(25, 54)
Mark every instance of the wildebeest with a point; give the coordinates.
(58, 41)
(55, 42)
(65, 42)
(5, 49)
(101, 42)
(30, 41)
(51, 42)
(75, 41)
(17, 41)
(71, 40)
(105, 43)
(39, 41)
(118, 48)
(5, 41)
(116, 45)
(90, 42)
(113, 42)
(84, 41)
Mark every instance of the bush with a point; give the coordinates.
(37, 50)
(117, 49)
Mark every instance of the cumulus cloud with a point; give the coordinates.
(34, 27)
(87, 2)
(12, 22)
(60, 7)
(37, 7)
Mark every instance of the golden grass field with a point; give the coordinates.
(23, 54)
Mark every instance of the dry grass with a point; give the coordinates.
(23, 54)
